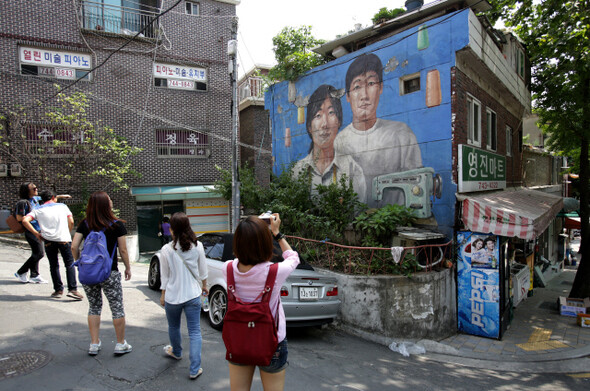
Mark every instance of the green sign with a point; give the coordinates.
(480, 170)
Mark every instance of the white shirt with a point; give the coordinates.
(340, 165)
(53, 220)
(176, 279)
(388, 147)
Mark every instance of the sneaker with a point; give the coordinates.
(57, 294)
(94, 348)
(193, 376)
(122, 348)
(168, 352)
(75, 295)
(22, 277)
(38, 280)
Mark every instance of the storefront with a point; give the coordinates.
(207, 211)
(496, 253)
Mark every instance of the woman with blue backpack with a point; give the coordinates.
(100, 228)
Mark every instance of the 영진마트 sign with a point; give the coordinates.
(480, 170)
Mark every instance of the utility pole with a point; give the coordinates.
(232, 51)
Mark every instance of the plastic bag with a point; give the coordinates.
(407, 348)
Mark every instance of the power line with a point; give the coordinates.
(117, 50)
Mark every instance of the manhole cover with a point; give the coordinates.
(19, 363)
(549, 305)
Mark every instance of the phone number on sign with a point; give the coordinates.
(488, 185)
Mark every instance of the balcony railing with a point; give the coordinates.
(117, 19)
(252, 87)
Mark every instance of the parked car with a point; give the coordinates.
(309, 298)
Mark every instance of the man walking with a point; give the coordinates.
(56, 222)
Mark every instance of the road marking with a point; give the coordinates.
(540, 339)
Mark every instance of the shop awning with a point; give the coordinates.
(516, 212)
(572, 223)
(162, 193)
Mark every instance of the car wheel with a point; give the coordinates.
(217, 307)
(154, 274)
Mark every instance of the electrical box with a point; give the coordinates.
(3, 170)
(16, 169)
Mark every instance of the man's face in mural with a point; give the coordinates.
(363, 97)
(324, 126)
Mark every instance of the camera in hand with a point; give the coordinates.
(266, 216)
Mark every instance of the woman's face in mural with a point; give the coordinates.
(324, 126)
(363, 97)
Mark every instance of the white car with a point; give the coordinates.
(308, 297)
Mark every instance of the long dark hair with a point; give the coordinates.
(99, 213)
(23, 191)
(182, 232)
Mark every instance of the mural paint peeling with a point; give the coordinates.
(382, 117)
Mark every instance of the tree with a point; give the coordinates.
(557, 35)
(72, 150)
(386, 14)
(293, 53)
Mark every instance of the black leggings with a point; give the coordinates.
(32, 263)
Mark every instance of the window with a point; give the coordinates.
(182, 143)
(508, 141)
(192, 8)
(127, 17)
(473, 121)
(180, 77)
(51, 140)
(519, 61)
(54, 63)
(492, 142)
(409, 84)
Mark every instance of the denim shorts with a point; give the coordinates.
(278, 361)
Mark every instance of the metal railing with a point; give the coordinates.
(117, 19)
(252, 87)
(373, 260)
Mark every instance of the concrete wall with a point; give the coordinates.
(420, 307)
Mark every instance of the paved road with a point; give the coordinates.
(320, 359)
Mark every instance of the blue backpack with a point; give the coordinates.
(95, 263)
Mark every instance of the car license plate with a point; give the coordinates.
(306, 293)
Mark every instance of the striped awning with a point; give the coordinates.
(516, 212)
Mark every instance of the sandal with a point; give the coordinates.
(168, 352)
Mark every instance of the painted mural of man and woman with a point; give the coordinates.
(364, 149)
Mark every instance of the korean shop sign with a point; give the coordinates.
(480, 170)
(54, 58)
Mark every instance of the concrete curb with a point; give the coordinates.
(568, 361)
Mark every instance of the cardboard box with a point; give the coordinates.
(573, 307)
(584, 320)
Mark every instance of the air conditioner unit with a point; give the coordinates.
(16, 169)
(3, 170)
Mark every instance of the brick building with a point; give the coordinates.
(167, 91)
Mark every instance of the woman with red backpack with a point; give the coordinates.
(253, 247)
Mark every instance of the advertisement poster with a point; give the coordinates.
(478, 284)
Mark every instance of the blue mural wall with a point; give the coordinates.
(427, 52)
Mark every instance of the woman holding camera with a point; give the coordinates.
(253, 247)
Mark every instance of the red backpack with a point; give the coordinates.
(249, 329)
